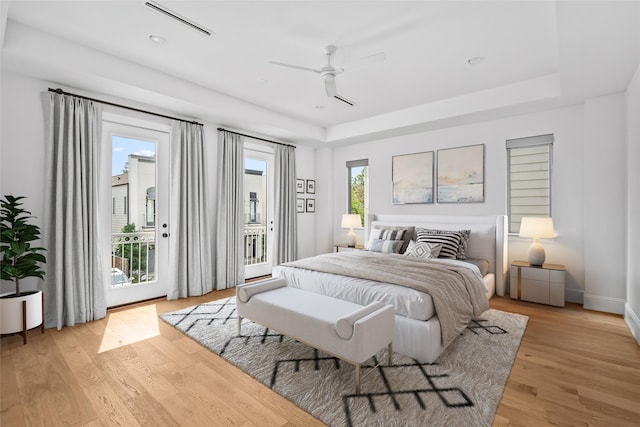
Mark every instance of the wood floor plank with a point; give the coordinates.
(574, 367)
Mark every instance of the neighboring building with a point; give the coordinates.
(119, 202)
(142, 191)
(133, 195)
(255, 190)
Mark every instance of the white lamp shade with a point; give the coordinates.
(351, 221)
(537, 227)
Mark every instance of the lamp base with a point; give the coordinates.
(536, 253)
(351, 238)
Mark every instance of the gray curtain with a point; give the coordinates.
(286, 223)
(190, 239)
(76, 274)
(230, 225)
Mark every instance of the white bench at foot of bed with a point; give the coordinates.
(351, 332)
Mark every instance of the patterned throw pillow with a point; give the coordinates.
(386, 246)
(386, 234)
(464, 240)
(423, 250)
(449, 241)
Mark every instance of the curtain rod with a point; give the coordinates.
(61, 92)
(255, 137)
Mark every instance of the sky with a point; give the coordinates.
(256, 165)
(121, 148)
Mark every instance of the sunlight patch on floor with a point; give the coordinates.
(129, 326)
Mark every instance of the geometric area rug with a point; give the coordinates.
(462, 388)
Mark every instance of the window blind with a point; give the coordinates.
(529, 178)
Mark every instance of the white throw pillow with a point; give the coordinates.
(423, 249)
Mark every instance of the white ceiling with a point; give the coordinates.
(537, 54)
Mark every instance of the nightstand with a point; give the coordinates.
(543, 284)
(344, 248)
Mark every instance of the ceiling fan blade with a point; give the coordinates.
(345, 100)
(297, 67)
(367, 60)
(330, 86)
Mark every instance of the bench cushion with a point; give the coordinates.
(311, 318)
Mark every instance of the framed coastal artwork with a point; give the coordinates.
(412, 178)
(300, 205)
(299, 185)
(461, 174)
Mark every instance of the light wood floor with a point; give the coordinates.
(574, 367)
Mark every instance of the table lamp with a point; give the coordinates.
(538, 228)
(351, 221)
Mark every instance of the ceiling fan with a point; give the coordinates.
(329, 72)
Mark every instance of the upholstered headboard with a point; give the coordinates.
(488, 238)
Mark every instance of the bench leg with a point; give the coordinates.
(357, 378)
(390, 351)
(239, 325)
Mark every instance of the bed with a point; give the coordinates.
(418, 330)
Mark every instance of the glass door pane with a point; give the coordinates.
(133, 192)
(258, 224)
(138, 212)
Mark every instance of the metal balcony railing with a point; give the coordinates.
(133, 258)
(133, 254)
(255, 244)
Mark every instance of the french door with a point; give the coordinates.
(137, 211)
(258, 211)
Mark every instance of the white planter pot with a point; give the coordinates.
(11, 312)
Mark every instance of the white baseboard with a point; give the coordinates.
(633, 321)
(606, 304)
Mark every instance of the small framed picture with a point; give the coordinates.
(311, 205)
(311, 186)
(300, 205)
(299, 185)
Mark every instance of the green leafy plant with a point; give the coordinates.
(19, 258)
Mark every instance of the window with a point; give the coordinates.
(253, 206)
(358, 187)
(150, 207)
(529, 165)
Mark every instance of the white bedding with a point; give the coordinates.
(408, 302)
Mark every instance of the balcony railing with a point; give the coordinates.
(133, 254)
(255, 244)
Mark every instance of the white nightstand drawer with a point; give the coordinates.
(556, 276)
(535, 274)
(535, 291)
(556, 294)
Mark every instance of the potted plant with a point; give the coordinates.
(20, 310)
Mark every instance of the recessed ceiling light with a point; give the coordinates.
(475, 60)
(157, 39)
(263, 81)
(320, 107)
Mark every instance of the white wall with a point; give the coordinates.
(632, 307)
(306, 169)
(22, 154)
(605, 193)
(22, 151)
(569, 194)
